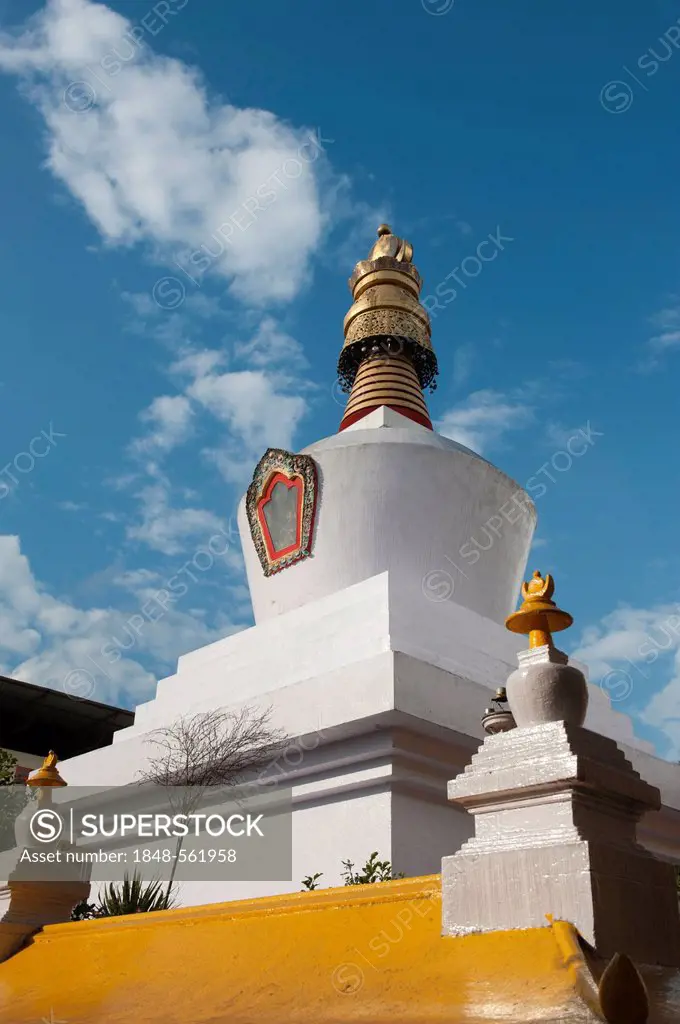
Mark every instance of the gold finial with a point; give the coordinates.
(47, 774)
(397, 249)
(387, 350)
(538, 616)
(622, 992)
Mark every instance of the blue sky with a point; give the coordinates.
(132, 131)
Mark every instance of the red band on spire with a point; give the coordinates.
(424, 421)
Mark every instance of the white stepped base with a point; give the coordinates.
(385, 689)
(556, 809)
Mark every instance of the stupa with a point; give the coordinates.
(376, 650)
(382, 562)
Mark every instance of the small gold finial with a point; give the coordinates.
(47, 774)
(623, 993)
(388, 245)
(538, 615)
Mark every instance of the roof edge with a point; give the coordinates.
(573, 955)
(395, 891)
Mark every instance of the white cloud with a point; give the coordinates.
(484, 418)
(197, 362)
(258, 404)
(560, 437)
(668, 319)
(618, 637)
(167, 529)
(72, 506)
(156, 162)
(169, 417)
(153, 158)
(98, 653)
(254, 405)
(463, 359)
(135, 579)
(233, 463)
(619, 652)
(665, 341)
(663, 711)
(667, 322)
(269, 345)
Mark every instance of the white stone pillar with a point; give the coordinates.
(556, 808)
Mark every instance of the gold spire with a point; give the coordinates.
(387, 356)
(47, 774)
(538, 615)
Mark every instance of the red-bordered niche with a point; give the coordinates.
(281, 507)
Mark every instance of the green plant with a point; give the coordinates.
(131, 896)
(8, 764)
(311, 881)
(13, 798)
(374, 870)
(84, 911)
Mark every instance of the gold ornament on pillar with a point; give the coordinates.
(387, 357)
(47, 774)
(45, 779)
(538, 615)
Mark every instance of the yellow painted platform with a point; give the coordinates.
(371, 953)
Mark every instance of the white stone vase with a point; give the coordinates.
(546, 688)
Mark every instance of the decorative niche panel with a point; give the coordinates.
(281, 507)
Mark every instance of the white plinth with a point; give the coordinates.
(556, 809)
(384, 690)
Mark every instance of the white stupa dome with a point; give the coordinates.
(386, 493)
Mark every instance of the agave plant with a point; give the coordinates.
(133, 896)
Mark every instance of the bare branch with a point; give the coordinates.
(214, 748)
